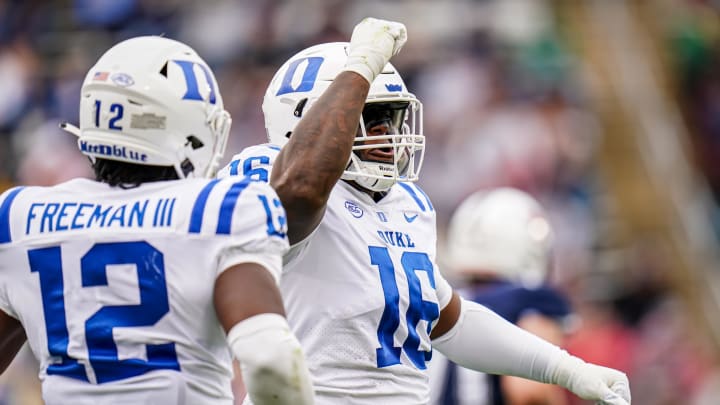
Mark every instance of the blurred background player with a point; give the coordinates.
(499, 246)
(362, 290)
(130, 288)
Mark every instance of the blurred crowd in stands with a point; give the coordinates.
(503, 106)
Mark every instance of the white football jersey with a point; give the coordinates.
(114, 287)
(363, 291)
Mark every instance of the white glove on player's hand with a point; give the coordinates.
(589, 381)
(372, 44)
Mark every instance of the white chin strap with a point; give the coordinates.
(373, 176)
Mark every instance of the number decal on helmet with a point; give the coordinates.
(116, 109)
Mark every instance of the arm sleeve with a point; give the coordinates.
(482, 340)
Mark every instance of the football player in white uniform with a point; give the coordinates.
(138, 287)
(361, 287)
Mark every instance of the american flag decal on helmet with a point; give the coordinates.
(100, 76)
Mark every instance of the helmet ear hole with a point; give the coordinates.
(288, 134)
(194, 142)
(187, 167)
(163, 70)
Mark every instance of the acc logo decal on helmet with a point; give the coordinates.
(122, 79)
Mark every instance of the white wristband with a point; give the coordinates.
(271, 361)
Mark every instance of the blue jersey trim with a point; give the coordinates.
(5, 236)
(413, 195)
(425, 196)
(196, 217)
(228, 206)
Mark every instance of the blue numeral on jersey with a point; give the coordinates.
(419, 309)
(101, 346)
(250, 169)
(260, 172)
(388, 354)
(153, 306)
(274, 213)
(47, 263)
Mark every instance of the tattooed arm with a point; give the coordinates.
(314, 158)
(318, 151)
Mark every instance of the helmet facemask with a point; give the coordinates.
(389, 146)
(219, 122)
(302, 80)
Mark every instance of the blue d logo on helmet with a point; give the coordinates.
(308, 79)
(193, 91)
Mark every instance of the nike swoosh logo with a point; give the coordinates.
(410, 218)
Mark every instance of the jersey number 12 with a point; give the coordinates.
(101, 347)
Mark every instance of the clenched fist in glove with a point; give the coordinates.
(589, 381)
(372, 44)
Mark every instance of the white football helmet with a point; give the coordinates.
(153, 101)
(305, 76)
(503, 232)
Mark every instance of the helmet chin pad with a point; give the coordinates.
(374, 176)
(380, 176)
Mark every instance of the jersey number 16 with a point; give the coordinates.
(418, 309)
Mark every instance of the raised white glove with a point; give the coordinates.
(372, 44)
(589, 381)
